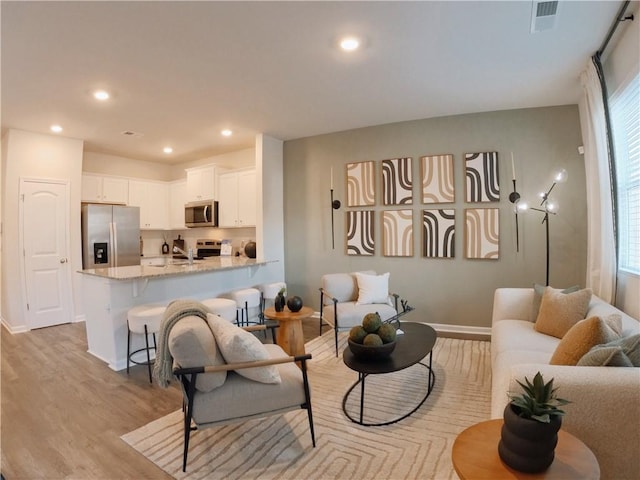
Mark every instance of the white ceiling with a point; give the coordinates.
(179, 72)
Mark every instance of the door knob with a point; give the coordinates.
(63, 260)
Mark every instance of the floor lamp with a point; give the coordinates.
(550, 207)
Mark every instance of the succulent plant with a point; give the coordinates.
(539, 401)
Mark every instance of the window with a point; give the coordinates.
(625, 123)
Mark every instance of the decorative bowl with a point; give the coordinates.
(368, 352)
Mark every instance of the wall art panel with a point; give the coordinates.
(438, 233)
(481, 177)
(361, 184)
(397, 182)
(482, 233)
(437, 179)
(360, 239)
(397, 233)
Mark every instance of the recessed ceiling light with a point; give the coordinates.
(56, 128)
(101, 95)
(226, 132)
(349, 44)
(167, 150)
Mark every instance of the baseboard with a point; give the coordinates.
(79, 318)
(452, 331)
(14, 330)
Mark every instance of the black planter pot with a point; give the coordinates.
(279, 302)
(528, 445)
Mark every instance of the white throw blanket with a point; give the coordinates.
(176, 310)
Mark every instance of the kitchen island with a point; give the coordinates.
(108, 294)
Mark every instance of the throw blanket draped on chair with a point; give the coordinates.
(176, 310)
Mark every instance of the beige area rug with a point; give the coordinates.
(279, 447)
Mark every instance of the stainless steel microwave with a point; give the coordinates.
(201, 214)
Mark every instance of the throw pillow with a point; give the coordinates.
(373, 288)
(561, 311)
(582, 337)
(238, 345)
(538, 291)
(191, 344)
(624, 352)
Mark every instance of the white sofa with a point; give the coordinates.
(605, 408)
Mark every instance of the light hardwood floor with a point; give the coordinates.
(63, 410)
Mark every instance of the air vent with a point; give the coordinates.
(129, 133)
(543, 16)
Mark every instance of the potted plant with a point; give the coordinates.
(532, 420)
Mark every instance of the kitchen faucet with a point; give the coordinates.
(188, 254)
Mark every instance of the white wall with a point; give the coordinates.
(27, 154)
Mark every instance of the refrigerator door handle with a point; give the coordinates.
(113, 233)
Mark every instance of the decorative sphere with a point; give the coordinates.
(250, 249)
(294, 303)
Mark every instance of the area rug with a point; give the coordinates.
(279, 447)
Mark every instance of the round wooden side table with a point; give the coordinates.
(289, 334)
(475, 456)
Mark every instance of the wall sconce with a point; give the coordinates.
(335, 205)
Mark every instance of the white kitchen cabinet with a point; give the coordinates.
(153, 200)
(201, 183)
(177, 199)
(99, 189)
(237, 199)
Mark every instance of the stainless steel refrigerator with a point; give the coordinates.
(110, 236)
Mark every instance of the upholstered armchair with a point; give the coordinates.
(223, 369)
(345, 298)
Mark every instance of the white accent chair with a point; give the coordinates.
(339, 305)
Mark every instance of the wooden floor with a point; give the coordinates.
(63, 410)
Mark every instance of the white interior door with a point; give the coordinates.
(47, 275)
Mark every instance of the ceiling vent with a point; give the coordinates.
(129, 133)
(543, 16)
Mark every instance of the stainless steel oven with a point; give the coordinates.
(201, 214)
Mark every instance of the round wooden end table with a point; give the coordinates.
(289, 333)
(475, 456)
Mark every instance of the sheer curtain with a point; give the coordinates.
(601, 246)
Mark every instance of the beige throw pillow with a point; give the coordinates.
(238, 345)
(373, 288)
(538, 291)
(561, 311)
(191, 344)
(583, 336)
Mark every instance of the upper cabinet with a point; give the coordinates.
(237, 199)
(201, 183)
(99, 189)
(153, 200)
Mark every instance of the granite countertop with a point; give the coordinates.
(167, 267)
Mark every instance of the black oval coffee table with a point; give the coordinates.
(415, 344)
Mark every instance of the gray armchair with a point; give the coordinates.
(217, 391)
(339, 306)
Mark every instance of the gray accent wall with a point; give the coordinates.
(454, 291)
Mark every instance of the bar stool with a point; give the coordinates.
(248, 301)
(144, 319)
(223, 307)
(269, 292)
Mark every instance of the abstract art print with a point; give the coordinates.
(437, 179)
(397, 233)
(360, 240)
(397, 182)
(482, 233)
(438, 233)
(361, 184)
(481, 177)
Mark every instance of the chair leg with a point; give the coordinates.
(146, 342)
(190, 388)
(307, 396)
(128, 348)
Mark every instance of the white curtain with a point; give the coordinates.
(601, 248)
